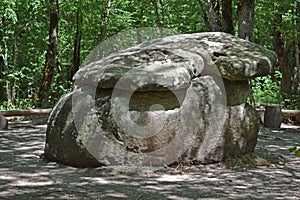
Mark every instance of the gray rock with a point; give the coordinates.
(176, 99)
(237, 92)
(189, 54)
(62, 144)
(3, 122)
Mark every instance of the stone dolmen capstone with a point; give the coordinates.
(180, 98)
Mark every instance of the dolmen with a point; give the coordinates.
(180, 98)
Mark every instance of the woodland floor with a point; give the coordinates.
(25, 175)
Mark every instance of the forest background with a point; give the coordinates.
(44, 42)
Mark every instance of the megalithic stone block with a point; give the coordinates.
(180, 98)
(3, 122)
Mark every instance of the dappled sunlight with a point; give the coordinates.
(25, 175)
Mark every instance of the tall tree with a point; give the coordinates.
(280, 49)
(158, 18)
(203, 13)
(227, 21)
(77, 41)
(45, 88)
(296, 45)
(104, 19)
(214, 15)
(220, 20)
(245, 13)
(2, 98)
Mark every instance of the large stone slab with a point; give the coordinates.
(189, 55)
(177, 99)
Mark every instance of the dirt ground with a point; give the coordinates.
(25, 175)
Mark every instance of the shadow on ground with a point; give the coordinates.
(25, 175)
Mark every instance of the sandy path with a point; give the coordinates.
(24, 175)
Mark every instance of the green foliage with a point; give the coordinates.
(22, 44)
(24, 29)
(295, 150)
(292, 101)
(266, 90)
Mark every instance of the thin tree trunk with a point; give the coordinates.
(214, 15)
(203, 7)
(2, 66)
(2, 91)
(227, 22)
(162, 13)
(5, 57)
(279, 41)
(158, 20)
(296, 43)
(104, 19)
(50, 55)
(11, 85)
(14, 83)
(245, 12)
(139, 37)
(76, 56)
(105, 14)
(8, 88)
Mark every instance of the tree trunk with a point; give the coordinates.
(76, 56)
(2, 90)
(296, 44)
(245, 13)
(29, 112)
(214, 15)
(158, 20)
(227, 22)
(104, 19)
(203, 7)
(279, 41)
(14, 82)
(2, 63)
(103, 31)
(11, 84)
(272, 117)
(50, 55)
(139, 37)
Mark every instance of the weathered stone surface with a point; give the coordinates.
(180, 98)
(186, 54)
(241, 130)
(62, 144)
(236, 92)
(3, 122)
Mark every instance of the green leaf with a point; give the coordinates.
(292, 149)
(297, 153)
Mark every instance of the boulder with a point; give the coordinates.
(3, 122)
(175, 99)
